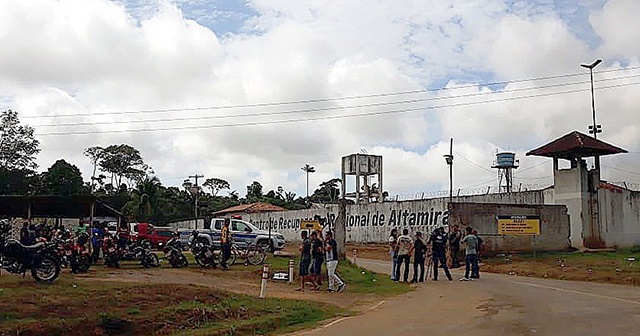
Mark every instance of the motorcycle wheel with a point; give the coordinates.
(146, 260)
(183, 261)
(200, 260)
(175, 262)
(154, 261)
(47, 270)
(84, 263)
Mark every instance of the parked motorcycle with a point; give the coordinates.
(110, 252)
(206, 254)
(73, 255)
(16, 258)
(203, 253)
(173, 252)
(142, 252)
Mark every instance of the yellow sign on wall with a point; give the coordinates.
(310, 224)
(519, 224)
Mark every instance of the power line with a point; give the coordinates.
(479, 184)
(532, 178)
(330, 117)
(308, 110)
(319, 100)
(475, 164)
(622, 170)
(535, 165)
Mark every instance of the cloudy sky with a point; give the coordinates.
(253, 90)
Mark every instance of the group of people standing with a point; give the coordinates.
(314, 251)
(402, 247)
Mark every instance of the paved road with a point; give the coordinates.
(497, 305)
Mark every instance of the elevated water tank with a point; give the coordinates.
(505, 160)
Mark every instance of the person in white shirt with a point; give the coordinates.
(331, 251)
(405, 246)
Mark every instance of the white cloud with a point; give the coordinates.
(85, 59)
(617, 23)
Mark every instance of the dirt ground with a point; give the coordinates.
(236, 280)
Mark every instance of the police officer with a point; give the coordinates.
(438, 241)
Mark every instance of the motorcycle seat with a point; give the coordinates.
(28, 247)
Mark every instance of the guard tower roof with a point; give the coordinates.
(576, 145)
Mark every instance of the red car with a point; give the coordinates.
(157, 236)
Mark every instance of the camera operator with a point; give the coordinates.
(438, 239)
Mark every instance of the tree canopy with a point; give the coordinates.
(121, 161)
(18, 147)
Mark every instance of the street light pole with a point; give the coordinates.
(449, 160)
(595, 128)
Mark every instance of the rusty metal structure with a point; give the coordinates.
(505, 163)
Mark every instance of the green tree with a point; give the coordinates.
(123, 161)
(95, 155)
(329, 192)
(254, 191)
(18, 147)
(63, 179)
(216, 184)
(14, 182)
(143, 203)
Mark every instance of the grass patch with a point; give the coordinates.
(133, 311)
(620, 267)
(258, 316)
(29, 308)
(358, 280)
(363, 281)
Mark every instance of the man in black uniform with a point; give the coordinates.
(438, 239)
(317, 254)
(419, 253)
(454, 241)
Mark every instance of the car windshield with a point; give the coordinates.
(165, 233)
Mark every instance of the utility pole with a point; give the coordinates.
(195, 207)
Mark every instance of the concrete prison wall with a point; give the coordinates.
(619, 216)
(372, 222)
(554, 225)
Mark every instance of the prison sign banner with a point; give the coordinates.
(519, 225)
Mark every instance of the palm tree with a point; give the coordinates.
(144, 203)
(308, 169)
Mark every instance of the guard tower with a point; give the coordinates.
(505, 163)
(577, 186)
(365, 168)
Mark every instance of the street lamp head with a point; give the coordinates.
(592, 65)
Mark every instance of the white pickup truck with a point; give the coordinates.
(241, 231)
